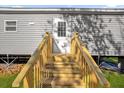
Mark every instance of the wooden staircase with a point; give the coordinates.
(64, 72)
(46, 69)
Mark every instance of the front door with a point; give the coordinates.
(60, 33)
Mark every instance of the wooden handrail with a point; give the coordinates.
(33, 63)
(87, 59)
(104, 82)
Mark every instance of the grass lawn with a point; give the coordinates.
(116, 80)
(6, 80)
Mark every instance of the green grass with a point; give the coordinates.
(6, 80)
(111, 59)
(116, 80)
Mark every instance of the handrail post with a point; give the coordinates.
(49, 45)
(73, 43)
(76, 34)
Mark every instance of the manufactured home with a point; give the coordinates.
(101, 30)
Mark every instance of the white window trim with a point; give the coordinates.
(5, 26)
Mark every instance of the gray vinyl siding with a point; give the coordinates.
(27, 37)
(116, 28)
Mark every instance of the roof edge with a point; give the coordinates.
(63, 10)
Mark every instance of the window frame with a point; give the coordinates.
(6, 25)
(61, 31)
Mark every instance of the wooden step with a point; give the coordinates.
(65, 71)
(70, 83)
(59, 68)
(61, 64)
(62, 57)
(68, 76)
(64, 74)
(46, 83)
(62, 83)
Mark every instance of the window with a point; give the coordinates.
(61, 29)
(10, 26)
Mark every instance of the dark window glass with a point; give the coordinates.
(10, 22)
(61, 29)
(10, 26)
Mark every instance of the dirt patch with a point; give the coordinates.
(11, 69)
